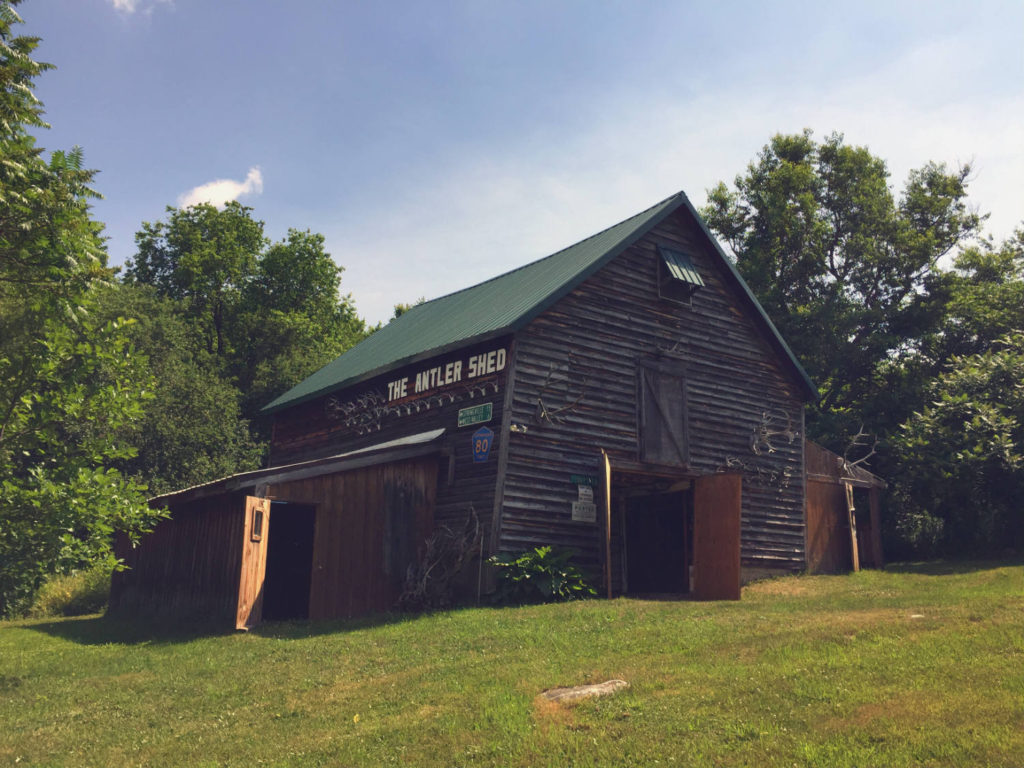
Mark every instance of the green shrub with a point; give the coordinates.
(73, 594)
(541, 575)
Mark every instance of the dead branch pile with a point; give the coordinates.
(429, 583)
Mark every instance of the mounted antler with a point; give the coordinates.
(860, 440)
(764, 432)
(554, 415)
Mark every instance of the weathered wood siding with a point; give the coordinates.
(317, 429)
(370, 525)
(829, 548)
(823, 463)
(582, 356)
(828, 528)
(189, 565)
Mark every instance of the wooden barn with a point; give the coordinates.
(626, 397)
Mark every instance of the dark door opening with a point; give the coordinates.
(289, 561)
(658, 535)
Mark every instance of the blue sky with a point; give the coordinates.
(436, 144)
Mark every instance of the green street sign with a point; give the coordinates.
(478, 414)
(583, 480)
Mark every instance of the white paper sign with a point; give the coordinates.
(586, 493)
(584, 511)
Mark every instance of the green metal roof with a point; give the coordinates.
(680, 267)
(496, 307)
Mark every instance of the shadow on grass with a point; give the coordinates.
(287, 630)
(953, 567)
(104, 630)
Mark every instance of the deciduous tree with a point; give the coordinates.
(842, 265)
(205, 258)
(192, 429)
(69, 383)
(268, 314)
(961, 457)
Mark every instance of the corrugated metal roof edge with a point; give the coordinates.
(558, 252)
(324, 465)
(521, 322)
(274, 407)
(612, 253)
(558, 294)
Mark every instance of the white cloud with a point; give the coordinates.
(221, 191)
(145, 6)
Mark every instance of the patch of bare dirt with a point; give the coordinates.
(548, 713)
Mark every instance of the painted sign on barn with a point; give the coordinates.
(436, 383)
(428, 380)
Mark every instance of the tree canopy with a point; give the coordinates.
(230, 320)
(204, 257)
(840, 264)
(962, 455)
(69, 382)
(926, 356)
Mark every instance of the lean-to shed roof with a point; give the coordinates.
(505, 304)
(410, 446)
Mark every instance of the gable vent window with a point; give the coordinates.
(678, 279)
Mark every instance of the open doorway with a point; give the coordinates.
(289, 561)
(868, 539)
(658, 542)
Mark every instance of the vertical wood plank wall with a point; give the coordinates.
(369, 522)
(305, 432)
(189, 565)
(596, 336)
(874, 533)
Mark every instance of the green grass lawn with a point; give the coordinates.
(908, 667)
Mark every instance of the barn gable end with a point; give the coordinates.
(579, 374)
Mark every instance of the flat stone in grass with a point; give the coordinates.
(567, 695)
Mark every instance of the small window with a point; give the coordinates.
(257, 525)
(678, 279)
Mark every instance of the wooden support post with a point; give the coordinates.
(853, 526)
(607, 523)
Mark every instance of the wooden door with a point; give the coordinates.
(254, 562)
(663, 414)
(716, 537)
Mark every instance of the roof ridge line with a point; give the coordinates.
(550, 255)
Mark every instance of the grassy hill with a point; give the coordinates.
(912, 666)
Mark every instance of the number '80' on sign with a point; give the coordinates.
(483, 438)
